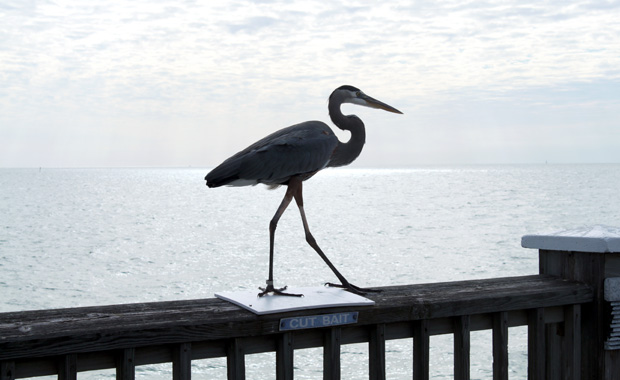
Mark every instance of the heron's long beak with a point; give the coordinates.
(374, 103)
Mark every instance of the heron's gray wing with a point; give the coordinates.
(300, 149)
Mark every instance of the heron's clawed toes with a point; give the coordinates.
(353, 288)
(276, 292)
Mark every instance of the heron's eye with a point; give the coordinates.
(358, 93)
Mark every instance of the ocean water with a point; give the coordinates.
(82, 237)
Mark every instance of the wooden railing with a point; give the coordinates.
(563, 307)
(68, 341)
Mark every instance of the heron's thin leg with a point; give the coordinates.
(312, 241)
(272, 233)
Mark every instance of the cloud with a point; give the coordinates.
(234, 71)
(253, 24)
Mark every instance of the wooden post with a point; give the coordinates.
(572, 342)
(500, 345)
(125, 365)
(588, 255)
(67, 367)
(461, 347)
(536, 344)
(235, 359)
(284, 357)
(376, 352)
(421, 350)
(331, 354)
(182, 362)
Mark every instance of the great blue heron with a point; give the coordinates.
(294, 154)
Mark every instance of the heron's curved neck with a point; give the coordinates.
(346, 153)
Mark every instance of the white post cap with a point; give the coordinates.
(599, 238)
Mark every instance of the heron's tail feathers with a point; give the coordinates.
(223, 175)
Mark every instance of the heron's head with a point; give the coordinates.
(350, 94)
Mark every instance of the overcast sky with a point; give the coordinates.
(188, 83)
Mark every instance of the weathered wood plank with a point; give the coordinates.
(331, 354)
(235, 359)
(67, 367)
(161, 314)
(284, 357)
(126, 366)
(536, 344)
(461, 347)
(376, 352)
(182, 361)
(421, 350)
(500, 346)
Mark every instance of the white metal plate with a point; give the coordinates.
(314, 298)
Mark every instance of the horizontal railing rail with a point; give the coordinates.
(68, 341)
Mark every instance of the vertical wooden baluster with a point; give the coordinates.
(421, 349)
(126, 366)
(572, 342)
(67, 367)
(235, 359)
(376, 351)
(284, 357)
(536, 344)
(331, 354)
(500, 346)
(461, 347)
(182, 362)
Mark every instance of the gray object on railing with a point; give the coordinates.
(612, 295)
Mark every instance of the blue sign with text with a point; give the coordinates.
(315, 321)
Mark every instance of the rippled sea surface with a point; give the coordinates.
(82, 237)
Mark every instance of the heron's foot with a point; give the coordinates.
(276, 292)
(353, 288)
